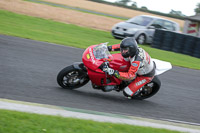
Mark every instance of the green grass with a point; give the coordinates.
(51, 31)
(18, 122)
(71, 35)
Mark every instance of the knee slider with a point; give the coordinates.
(126, 95)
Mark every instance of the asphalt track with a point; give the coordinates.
(28, 71)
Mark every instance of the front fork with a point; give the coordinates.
(82, 69)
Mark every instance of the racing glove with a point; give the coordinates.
(109, 48)
(111, 72)
(105, 68)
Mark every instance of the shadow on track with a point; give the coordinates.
(107, 97)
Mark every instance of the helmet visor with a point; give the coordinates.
(124, 52)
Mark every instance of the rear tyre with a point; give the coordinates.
(149, 89)
(71, 78)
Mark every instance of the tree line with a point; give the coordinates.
(133, 5)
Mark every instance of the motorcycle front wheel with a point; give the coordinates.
(72, 78)
(149, 89)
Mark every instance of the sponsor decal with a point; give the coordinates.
(88, 56)
(135, 64)
(91, 55)
(140, 82)
(107, 60)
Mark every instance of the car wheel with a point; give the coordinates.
(141, 39)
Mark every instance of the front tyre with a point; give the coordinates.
(149, 89)
(71, 78)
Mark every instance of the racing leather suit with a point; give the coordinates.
(141, 71)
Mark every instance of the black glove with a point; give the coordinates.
(111, 72)
(105, 68)
(109, 48)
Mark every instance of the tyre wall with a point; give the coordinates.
(177, 42)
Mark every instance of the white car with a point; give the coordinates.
(142, 28)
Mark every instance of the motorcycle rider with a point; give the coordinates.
(141, 71)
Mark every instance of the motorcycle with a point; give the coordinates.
(90, 69)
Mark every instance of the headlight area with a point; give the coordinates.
(131, 31)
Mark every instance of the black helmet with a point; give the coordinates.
(128, 47)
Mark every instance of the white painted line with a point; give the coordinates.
(184, 122)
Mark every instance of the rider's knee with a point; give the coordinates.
(125, 94)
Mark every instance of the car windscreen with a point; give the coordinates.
(140, 20)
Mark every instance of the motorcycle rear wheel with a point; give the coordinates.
(72, 78)
(149, 89)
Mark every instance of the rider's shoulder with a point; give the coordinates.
(140, 49)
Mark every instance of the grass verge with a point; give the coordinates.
(71, 35)
(18, 122)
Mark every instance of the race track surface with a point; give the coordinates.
(28, 71)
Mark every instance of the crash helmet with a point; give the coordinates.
(128, 47)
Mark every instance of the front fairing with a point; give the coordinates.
(95, 55)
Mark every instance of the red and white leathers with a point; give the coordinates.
(141, 71)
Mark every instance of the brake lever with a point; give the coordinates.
(107, 64)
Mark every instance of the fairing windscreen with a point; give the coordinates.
(101, 51)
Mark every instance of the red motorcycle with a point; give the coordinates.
(97, 57)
